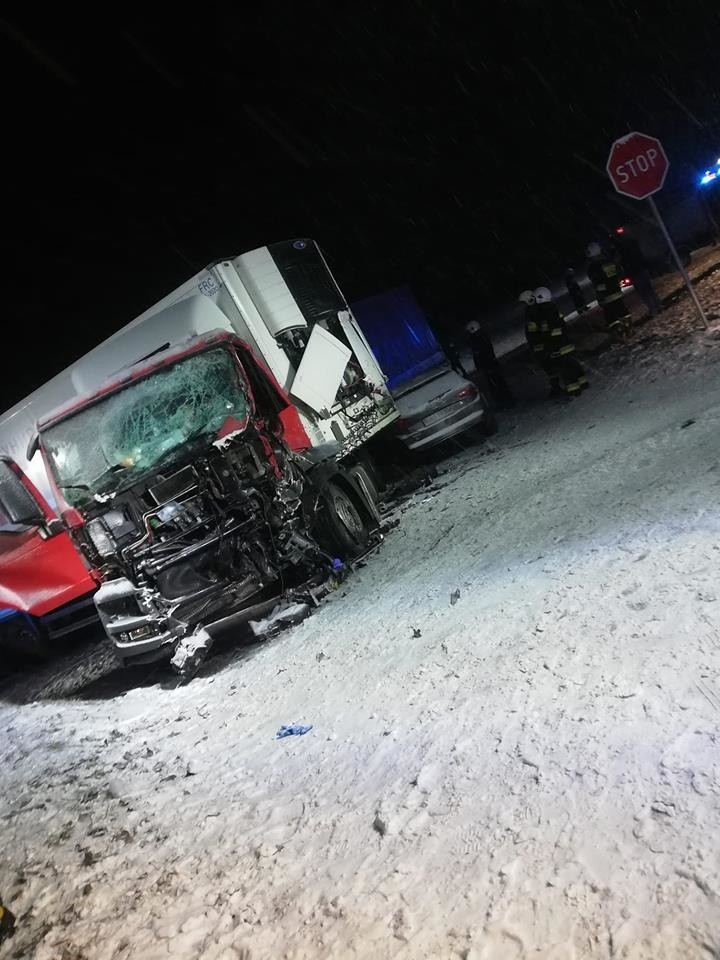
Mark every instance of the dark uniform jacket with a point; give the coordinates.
(605, 277)
(533, 333)
(546, 331)
(483, 350)
(553, 330)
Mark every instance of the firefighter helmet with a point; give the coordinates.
(543, 295)
(527, 296)
(593, 249)
(472, 326)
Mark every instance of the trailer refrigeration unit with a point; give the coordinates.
(218, 452)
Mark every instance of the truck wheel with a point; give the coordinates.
(363, 473)
(344, 528)
(25, 643)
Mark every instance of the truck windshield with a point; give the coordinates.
(106, 447)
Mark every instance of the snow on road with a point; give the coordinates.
(537, 774)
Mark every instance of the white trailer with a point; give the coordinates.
(284, 302)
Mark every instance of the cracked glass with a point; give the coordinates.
(103, 448)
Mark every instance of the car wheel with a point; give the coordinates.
(345, 531)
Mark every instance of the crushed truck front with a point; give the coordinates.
(185, 487)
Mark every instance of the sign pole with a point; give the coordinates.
(681, 268)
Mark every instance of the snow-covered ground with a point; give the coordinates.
(528, 770)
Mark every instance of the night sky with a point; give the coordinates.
(460, 147)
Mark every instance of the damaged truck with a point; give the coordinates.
(227, 468)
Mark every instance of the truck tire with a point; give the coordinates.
(343, 528)
(365, 476)
(23, 642)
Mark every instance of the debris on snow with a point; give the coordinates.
(284, 615)
(379, 824)
(293, 730)
(191, 651)
(454, 597)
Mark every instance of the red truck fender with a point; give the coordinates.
(40, 569)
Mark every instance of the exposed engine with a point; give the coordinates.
(186, 545)
(194, 490)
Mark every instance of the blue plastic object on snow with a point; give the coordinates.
(293, 730)
(337, 564)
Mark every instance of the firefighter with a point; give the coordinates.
(536, 339)
(488, 365)
(533, 334)
(605, 277)
(566, 374)
(441, 323)
(575, 290)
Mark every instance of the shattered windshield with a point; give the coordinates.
(109, 445)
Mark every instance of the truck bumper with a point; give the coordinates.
(138, 635)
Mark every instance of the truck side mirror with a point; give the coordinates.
(18, 504)
(29, 515)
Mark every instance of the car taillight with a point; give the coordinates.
(467, 391)
(625, 282)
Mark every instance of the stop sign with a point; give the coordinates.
(637, 165)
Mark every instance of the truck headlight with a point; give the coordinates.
(102, 541)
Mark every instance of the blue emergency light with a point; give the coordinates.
(710, 176)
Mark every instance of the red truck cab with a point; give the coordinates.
(46, 591)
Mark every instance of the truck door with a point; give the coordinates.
(40, 569)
